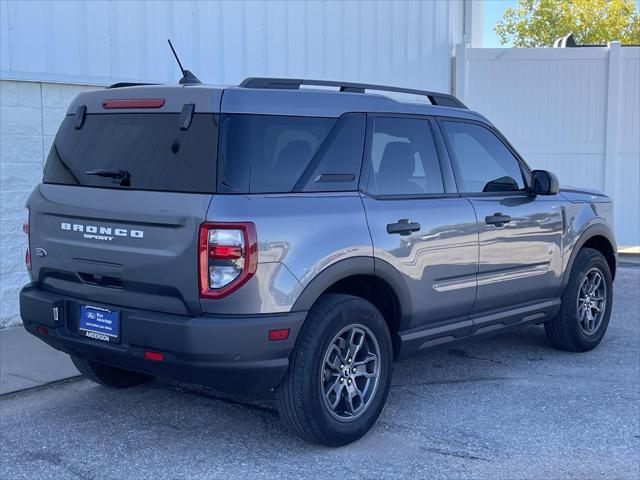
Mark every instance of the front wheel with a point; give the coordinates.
(586, 305)
(340, 372)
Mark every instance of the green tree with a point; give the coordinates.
(538, 23)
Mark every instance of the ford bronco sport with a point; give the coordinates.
(273, 236)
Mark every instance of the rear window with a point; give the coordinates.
(151, 148)
(280, 154)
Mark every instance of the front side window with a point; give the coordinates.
(403, 158)
(481, 161)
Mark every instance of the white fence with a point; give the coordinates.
(574, 111)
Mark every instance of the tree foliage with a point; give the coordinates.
(538, 23)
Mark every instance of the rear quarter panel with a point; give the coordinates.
(299, 235)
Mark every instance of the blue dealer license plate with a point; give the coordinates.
(99, 323)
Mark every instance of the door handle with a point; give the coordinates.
(497, 219)
(403, 227)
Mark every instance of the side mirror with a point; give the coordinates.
(544, 182)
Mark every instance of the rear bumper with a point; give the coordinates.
(230, 353)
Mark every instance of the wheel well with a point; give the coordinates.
(603, 245)
(376, 291)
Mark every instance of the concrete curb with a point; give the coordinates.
(26, 362)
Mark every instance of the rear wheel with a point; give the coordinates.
(340, 372)
(586, 305)
(109, 376)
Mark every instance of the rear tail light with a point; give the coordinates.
(26, 229)
(228, 257)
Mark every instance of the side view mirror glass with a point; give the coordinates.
(544, 182)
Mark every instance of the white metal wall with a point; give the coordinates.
(97, 42)
(574, 111)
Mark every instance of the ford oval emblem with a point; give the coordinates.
(40, 252)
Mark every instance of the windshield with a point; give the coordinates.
(136, 151)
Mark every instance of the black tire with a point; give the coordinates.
(109, 376)
(300, 396)
(565, 331)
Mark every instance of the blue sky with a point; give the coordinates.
(492, 11)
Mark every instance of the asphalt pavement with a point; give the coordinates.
(507, 407)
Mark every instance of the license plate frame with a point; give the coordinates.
(98, 323)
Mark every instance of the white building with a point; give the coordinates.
(50, 50)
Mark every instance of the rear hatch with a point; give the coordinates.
(127, 183)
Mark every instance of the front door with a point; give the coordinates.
(425, 231)
(520, 234)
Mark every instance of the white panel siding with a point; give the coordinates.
(29, 117)
(401, 42)
(558, 108)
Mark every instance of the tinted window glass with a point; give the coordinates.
(403, 158)
(336, 165)
(481, 161)
(151, 148)
(267, 153)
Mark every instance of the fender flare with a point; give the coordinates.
(595, 230)
(357, 266)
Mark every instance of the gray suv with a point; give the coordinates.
(298, 236)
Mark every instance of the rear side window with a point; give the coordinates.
(280, 154)
(403, 158)
(482, 163)
(151, 148)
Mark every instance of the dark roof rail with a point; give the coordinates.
(436, 98)
(129, 84)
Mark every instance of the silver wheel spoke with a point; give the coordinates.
(337, 359)
(336, 389)
(355, 340)
(362, 367)
(354, 395)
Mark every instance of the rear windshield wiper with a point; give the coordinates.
(115, 173)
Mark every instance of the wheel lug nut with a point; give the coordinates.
(353, 370)
(341, 380)
(349, 382)
(341, 365)
(349, 360)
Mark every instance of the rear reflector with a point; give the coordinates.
(153, 356)
(133, 103)
(281, 334)
(44, 331)
(225, 252)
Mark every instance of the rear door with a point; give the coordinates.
(520, 234)
(124, 191)
(418, 224)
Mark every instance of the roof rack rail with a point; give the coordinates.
(436, 98)
(129, 84)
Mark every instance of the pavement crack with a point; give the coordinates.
(449, 453)
(465, 354)
(230, 401)
(452, 381)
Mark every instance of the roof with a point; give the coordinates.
(274, 101)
